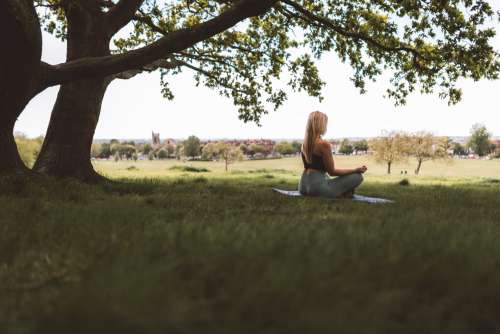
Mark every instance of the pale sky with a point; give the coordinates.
(135, 107)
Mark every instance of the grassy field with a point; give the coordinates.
(169, 250)
(454, 169)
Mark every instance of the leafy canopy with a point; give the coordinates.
(424, 45)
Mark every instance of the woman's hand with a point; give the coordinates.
(361, 169)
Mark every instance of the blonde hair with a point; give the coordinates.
(316, 126)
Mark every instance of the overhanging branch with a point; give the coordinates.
(173, 42)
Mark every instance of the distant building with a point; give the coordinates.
(155, 140)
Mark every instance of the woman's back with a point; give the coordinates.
(316, 161)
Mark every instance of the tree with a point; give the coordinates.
(170, 149)
(105, 152)
(210, 151)
(192, 146)
(493, 148)
(458, 149)
(91, 25)
(179, 151)
(297, 146)
(96, 150)
(390, 148)
(229, 153)
(28, 148)
(284, 148)
(146, 149)
(361, 146)
(162, 154)
(256, 148)
(127, 150)
(442, 42)
(346, 147)
(424, 147)
(479, 140)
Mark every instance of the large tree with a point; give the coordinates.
(23, 75)
(19, 60)
(427, 45)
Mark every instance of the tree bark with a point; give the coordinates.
(68, 141)
(418, 167)
(389, 168)
(19, 73)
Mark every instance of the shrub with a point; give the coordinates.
(190, 169)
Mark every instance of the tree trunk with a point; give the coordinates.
(66, 148)
(10, 161)
(19, 73)
(388, 168)
(418, 167)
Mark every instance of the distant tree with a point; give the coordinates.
(256, 148)
(492, 149)
(114, 141)
(284, 148)
(444, 145)
(459, 149)
(297, 146)
(117, 156)
(192, 146)
(179, 151)
(170, 149)
(147, 148)
(28, 148)
(134, 156)
(229, 153)
(210, 151)
(162, 154)
(126, 150)
(424, 147)
(105, 151)
(361, 146)
(346, 147)
(151, 156)
(390, 148)
(95, 150)
(479, 140)
(244, 149)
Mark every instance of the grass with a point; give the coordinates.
(181, 252)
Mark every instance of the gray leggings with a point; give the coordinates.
(320, 184)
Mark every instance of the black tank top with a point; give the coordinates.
(316, 163)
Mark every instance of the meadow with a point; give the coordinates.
(185, 247)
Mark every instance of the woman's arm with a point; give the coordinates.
(326, 153)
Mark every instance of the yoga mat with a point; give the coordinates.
(356, 198)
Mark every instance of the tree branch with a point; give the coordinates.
(323, 22)
(173, 42)
(160, 63)
(119, 15)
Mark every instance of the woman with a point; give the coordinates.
(318, 161)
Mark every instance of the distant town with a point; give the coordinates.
(194, 148)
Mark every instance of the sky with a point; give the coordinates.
(134, 108)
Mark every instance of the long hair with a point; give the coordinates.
(316, 126)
